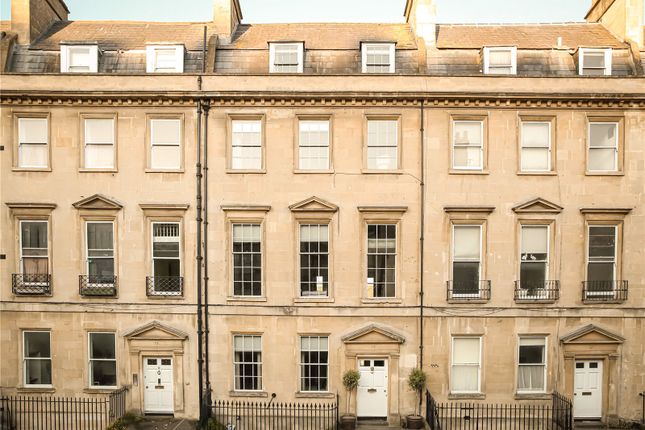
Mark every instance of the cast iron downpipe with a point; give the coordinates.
(421, 240)
(198, 209)
(206, 108)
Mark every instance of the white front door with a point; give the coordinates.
(157, 379)
(371, 400)
(587, 394)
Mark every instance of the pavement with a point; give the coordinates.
(162, 423)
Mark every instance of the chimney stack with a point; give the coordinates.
(623, 17)
(227, 15)
(31, 18)
(422, 16)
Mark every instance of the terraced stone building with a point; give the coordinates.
(465, 198)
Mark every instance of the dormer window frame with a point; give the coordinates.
(66, 54)
(486, 59)
(300, 50)
(151, 57)
(608, 57)
(391, 52)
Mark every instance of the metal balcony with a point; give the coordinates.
(468, 291)
(31, 284)
(544, 291)
(164, 286)
(604, 291)
(97, 286)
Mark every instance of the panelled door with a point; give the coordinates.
(587, 394)
(157, 378)
(371, 400)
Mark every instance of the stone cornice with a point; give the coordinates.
(292, 99)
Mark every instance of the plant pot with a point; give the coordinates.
(415, 422)
(348, 422)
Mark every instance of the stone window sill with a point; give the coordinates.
(466, 396)
(305, 395)
(383, 301)
(532, 396)
(36, 389)
(248, 394)
(313, 300)
(246, 299)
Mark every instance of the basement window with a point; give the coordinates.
(378, 57)
(79, 58)
(165, 59)
(594, 62)
(500, 60)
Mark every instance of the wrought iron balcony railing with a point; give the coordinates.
(164, 285)
(543, 291)
(475, 290)
(97, 286)
(31, 284)
(604, 291)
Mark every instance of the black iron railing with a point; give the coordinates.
(604, 291)
(97, 286)
(164, 285)
(27, 284)
(544, 291)
(68, 413)
(476, 290)
(556, 414)
(275, 416)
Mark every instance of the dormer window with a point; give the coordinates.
(165, 59)
(79, 58)
(378, 57)
(500, 60)
(594, 62)
(286, 57)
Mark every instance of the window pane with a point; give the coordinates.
(602, 159)
(535, 159)
(498, 57)
(165, 131)
(536, 134)
(464, 378)
(534, 241)
(314, 145)
(102, 345)
(166, 267)
(602, 242)
(32, 130)
(467, 244)
(382, 158)
(381, 259)
(99, 236)
(247, 158)
(532, 275)
(101, 267)
(30, 155)
(38, 372)
(34, 238)
(103, 373)
(468, 157)
(165, 157)
(602, 135)
(600, 272)
(594, 59)
(79, 57)
(247, 260)
(531, 354)
(247, 362)
(99, 156)
(37, 344)
(99, 130)
(165, 59)
(468, 133)
(465, 278)
(465, 351)
(530, 378)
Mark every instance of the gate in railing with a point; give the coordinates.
(64, 413)
(234, 415)
(553, 415)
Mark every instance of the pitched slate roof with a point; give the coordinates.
(113, 35)
(323, 35)
(525, 36)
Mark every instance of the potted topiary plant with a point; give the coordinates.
(350, 382)
(417, 382)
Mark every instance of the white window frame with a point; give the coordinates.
(479, 364)
(299, 51)
(453, 260)
(257, 363)
(152, 245)
(178, 144)
(614, 261)
(151, 58)
(608, 59)
(397, 125)
(260, 226)
(544, 364)
(66, 56)
(315, 294)
(548, 251)
(232, 144)
(615, 147)
(87, 250)
(511, 49)
(392, 53)
(302, 121)
(482, 153)
(112, 143)
(25, 359)
(522, 147)
(22, 143)
(302, 365)
(90, 360)
(372, 285)
(48, 257)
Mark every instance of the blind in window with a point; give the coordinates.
(535, 240)
(466, 245)
(465, 351)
